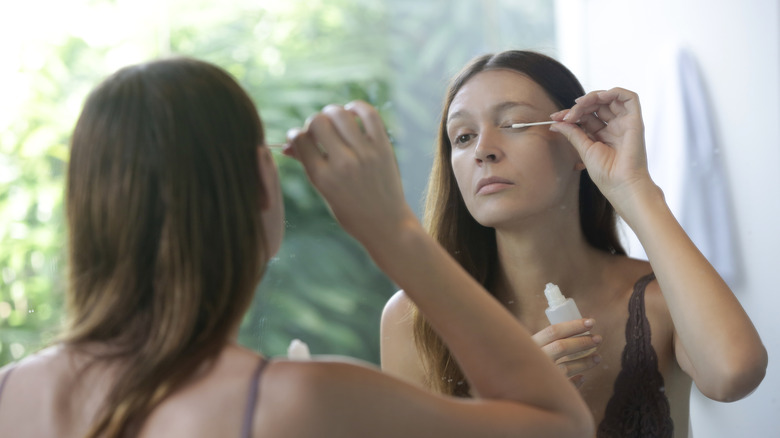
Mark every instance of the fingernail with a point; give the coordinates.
(596, 358)
(597, 339)
(589, 323)
(552, 116)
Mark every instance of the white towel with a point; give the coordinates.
(684, 160)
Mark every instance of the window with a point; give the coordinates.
(293, 57)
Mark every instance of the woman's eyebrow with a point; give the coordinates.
(456, 115)
(504, 106)
(496, 109)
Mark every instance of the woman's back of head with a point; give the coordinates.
(166, 243)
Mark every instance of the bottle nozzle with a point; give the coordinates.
(554, 296)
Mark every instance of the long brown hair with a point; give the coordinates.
(473, 245)
(166, 244)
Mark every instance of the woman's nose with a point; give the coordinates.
(488, 148)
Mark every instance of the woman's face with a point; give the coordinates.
(506, 175)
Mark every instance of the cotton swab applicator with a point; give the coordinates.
(525, 125)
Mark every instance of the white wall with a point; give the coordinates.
(611, 43)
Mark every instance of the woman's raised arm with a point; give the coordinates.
(715, 341)
(350, 160)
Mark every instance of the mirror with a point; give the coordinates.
(295, 57)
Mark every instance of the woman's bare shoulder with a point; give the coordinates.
(311, 379)
(627, 272)
(630, 271)
(397, 324)
(43, 365)
(46, 383)
(399, 307)
(326, 393)
(399, 353)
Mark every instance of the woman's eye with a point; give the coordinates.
(463, 138)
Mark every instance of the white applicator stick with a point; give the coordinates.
(524, 125)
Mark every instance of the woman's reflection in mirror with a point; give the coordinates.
(520, 208)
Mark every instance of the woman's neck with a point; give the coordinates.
(530, 257)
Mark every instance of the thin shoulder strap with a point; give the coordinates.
(251, 401)
(5, 379)
(638, 406)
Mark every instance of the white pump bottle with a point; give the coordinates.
(562, 309)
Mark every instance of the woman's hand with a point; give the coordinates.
(349, 159)
(571, 348)
(606, 129)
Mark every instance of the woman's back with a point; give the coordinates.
(53, 394)
(47, 396)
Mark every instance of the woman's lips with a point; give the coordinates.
(492, 184)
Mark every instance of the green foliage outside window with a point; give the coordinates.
(322, 287)
(293, 57)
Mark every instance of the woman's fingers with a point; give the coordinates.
(290, 148)
(572, 368)
(607, 105)
(562, 330)
(605, 114)
(578, 380)
(620, 101)
(608, 133)
(302, 147)
(372, 123)
(563, 348)
(578, 138)
(328, 138)
(350, 161)
(591, 124)
(356, 126)
(606, 129)
(564, 342)
(346, 125)
(568, 344)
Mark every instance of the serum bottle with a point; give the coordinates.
(561, 309)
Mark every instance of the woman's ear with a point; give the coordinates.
(271, 203)
(268, 174)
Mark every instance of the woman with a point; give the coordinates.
(174, 209)
(519, 208)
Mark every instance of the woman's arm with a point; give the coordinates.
(353, 166)
(715, 341)
(344, 400)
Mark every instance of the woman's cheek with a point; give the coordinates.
(459, 170)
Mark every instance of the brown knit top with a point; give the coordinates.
(638, 407)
